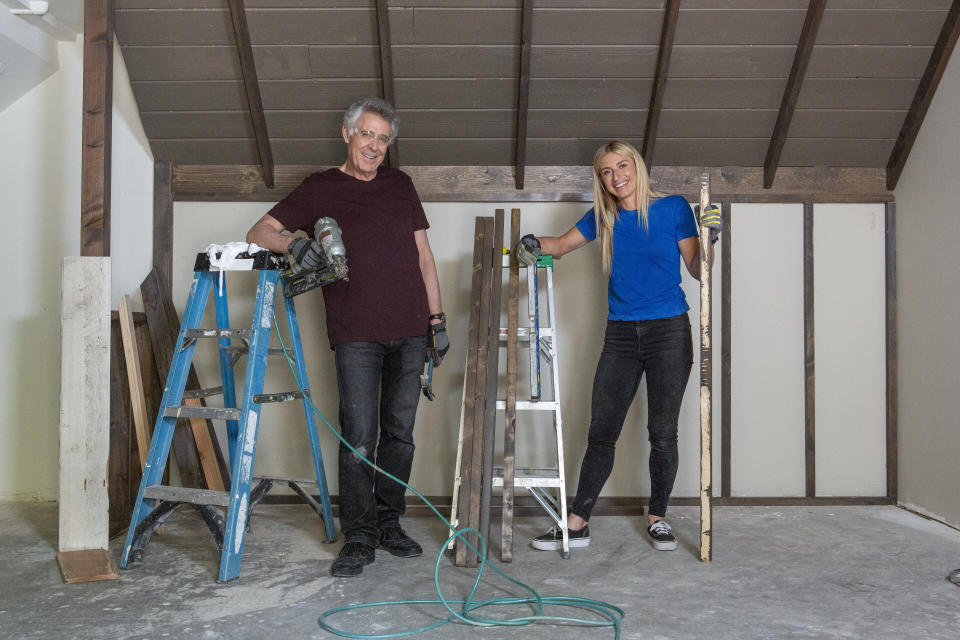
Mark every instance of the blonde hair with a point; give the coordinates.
(606, 206)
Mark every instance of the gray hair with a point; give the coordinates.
(376, 106)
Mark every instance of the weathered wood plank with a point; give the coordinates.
(138, 402)
(523, 92)
(890, 284)
(510, 411)
(706, 379)
(550, 184)
(664, 54)
(84, 403)
(726, 351)
(96, 128)
(121, 421)
(809, 349)
(163, 220)
(385, 50)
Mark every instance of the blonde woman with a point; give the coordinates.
(643, 237)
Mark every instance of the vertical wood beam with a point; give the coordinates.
(924, 95)
(386, 71)
(163, 221)
(670, 16)
(523, 91)
(890, 256)
(808, 36)
(810, 422)
(726, 279)
(96, 127)
(251, 86)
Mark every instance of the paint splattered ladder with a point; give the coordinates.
(156, 502)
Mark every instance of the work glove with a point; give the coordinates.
(528, 249)
(306, 252)
(437, 341)
(711, 220)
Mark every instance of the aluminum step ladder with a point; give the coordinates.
(156, 502)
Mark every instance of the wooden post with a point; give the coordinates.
(706, 381)
(96, 124)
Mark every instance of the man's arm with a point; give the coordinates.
(267, 233)
(428, 267)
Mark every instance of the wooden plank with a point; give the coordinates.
(469, 394)
(706, 380)
(84, 403)
(199, 458)
(251, 87)
(86, 565)
(231, 183)
(937, 64)
(121, 433)
(726, 349)
(96, 128)
(669, 27)
(163, 220)
(386, 71)
(809, 349)
(791, 93)
(138, 400)
(492, 378)
(510, 412)
(523, 91)
(890, 284)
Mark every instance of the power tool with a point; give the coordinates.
(327, 233)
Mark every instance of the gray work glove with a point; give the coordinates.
(437, 342)
(710, 218)
(528, 249)
(306, 252)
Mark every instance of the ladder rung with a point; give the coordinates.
(209, 413)
(203, 393)
(523, 333)
(273, 351)
(529, 477)
(217, 333)
(526, 405)
(183, 494)
(283, 396)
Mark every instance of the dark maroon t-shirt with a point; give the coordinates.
(385, 297)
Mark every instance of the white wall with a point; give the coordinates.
(40, 208)
(928, 306)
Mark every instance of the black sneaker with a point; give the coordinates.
(396, 542)
(661, 536)
(552, 540)
(354, 556)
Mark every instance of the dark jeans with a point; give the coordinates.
(379, 384)
(663, 349)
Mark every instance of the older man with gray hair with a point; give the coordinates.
(382, 323)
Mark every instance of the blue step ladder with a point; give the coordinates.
(156, 502)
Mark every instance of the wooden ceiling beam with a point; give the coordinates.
(251, 86)
(96, 127)
(229, 183)
(924, 95)
(670, 16)
(386, 71)
(791, 93)
(523, 92)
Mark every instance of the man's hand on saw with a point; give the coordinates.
(437, 341)
(306, 252)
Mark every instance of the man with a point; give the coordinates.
(381, 322)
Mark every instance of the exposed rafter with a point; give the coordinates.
(523, 92)
(96, 128)
(386, 71)
(924, 95)
(251, 85)
(670, 16)
(801, 58)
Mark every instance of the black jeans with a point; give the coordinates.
(379, 384)
(663, 349)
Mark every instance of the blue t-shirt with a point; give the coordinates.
(645, 271)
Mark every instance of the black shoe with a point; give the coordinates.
(396, 542)
(661, 536)
(352, 559)
(552, 540)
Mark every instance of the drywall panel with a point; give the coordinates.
(850, 354)
(767, 419)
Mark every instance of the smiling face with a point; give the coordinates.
(619, 176)
(365, 146)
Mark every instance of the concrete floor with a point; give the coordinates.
(798, 572)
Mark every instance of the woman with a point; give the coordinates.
(643, 235)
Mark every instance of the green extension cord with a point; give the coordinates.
(613, 615)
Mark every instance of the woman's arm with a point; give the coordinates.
(690, 252)
(558, 246)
